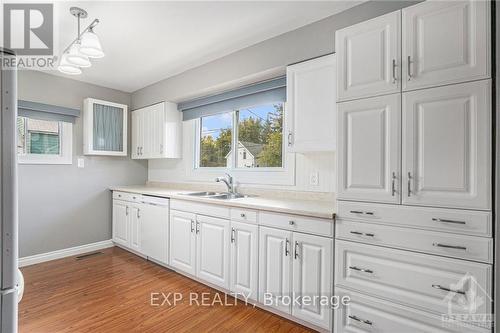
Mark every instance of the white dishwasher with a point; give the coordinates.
(154, 228)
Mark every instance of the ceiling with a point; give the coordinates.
(146, 42)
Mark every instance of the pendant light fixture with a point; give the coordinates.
(85, 46)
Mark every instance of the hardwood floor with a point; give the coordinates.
(111, 292)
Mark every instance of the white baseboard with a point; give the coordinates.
(72, 251)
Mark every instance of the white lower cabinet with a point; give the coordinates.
(212, 243)
(243, 275)
(275, 260)
(120, 223)
(296, 268)
(312, 278)
(135, 228)
(183, 241)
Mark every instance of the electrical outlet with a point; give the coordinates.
(314, 178)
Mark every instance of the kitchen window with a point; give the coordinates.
(247, 138)
(44, 133)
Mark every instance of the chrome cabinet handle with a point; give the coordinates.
(369, 234)
(409, 184)
(448, 221)
(138, 213)
(290, 138)
(409, 68)
(232, 235)
(394, 71)
(361, 269)
(361, 320)
(286, 247)
(192, 225)
(296, 254)
(291, 222)
(242, 215)
(393, 186)
(197, 227)
(361, 212)
(437, 286)
(450, 246)
(126, 210)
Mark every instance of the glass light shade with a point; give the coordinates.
(75, 58)
(91, 46)
(67, 68)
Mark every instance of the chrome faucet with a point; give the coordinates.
(228, 180)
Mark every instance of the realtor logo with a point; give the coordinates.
(29, 28)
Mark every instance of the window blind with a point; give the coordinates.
(46, 112)
(252, 95)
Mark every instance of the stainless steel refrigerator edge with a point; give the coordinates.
(8, 197)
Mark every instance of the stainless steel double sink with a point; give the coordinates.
(216, 195)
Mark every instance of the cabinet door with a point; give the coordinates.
(447, 146)
(136, 134)
(445, 42)
(183, 241)
(244, 259)
(120, 223)
(310, 108)
(213, 250)
(135, 228)
(147, 133)
(369, 149)
(312, 278)
(368, 58)
(154, 231)
(275, 259)
(158, 145)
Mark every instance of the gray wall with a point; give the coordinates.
(310, 41)
(62, 206)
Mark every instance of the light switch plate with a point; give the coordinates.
(80, 162)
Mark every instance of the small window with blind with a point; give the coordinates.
(44, 133)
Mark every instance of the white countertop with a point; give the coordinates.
(313, 208)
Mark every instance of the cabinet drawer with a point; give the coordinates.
(446, 244)
(466, 222)
(200, 208)
(134, 197)
(427, 282)
(368, 314)
(297, 223)
(244, 215)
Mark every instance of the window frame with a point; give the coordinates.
(234, 145)
(66, 149)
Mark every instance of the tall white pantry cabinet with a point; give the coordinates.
(414, 146)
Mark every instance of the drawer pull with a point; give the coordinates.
(437, 286)
(369, 234)
(361, 320)
(242, 215)
(449, 246)
(361, 269)
(361, 212)
(448, 221)
(291, 222)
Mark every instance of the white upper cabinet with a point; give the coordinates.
(368, 58)
(104, 128)
(447, 146)
(312, 275)
(445, 42)
(369, 149)
(310, 108)
(156, 132)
